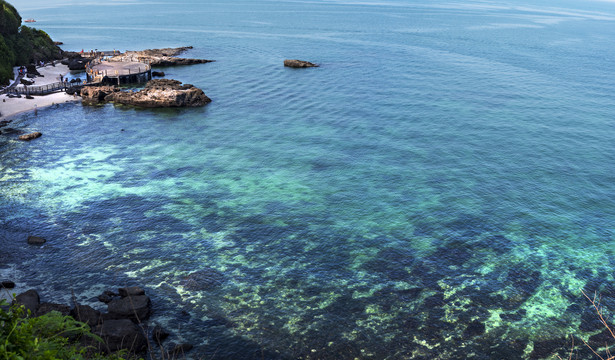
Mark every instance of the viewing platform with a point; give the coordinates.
(118, 72)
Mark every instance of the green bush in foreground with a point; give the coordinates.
(51, 336)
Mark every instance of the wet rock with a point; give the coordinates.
(298, 63)
(136, 308)
(475, 328)
(121, 334)
(105, 298)
(4, 123)
(31, 136)
(86, 314)
(203, 279)
(162, 93)
(158, 73)
(159, 334)
(29, 299)
(131, 291)
(46, 307)
(181, 349)
(7, 284)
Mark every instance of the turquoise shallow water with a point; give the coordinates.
(441, 187)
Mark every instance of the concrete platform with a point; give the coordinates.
(118, 72)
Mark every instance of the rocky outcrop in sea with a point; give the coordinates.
(156, 94)
(293, 63)
(160, 57)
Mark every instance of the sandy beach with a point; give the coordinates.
(9, 107)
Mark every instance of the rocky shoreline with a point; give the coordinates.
(124, 326)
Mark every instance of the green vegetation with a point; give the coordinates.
(21, 45)
(51, 336)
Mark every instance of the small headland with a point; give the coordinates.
(156, 94)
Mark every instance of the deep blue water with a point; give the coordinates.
(443, 186)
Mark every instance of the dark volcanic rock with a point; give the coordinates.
(86, 314)
(158, 73)
(121, 334)
(159, 334)
(28, 137)
(181, 349)
(131, 291)
(162, 93)
(29, 299)
(26, 82)
(131, 307)
(35, 240)
(46, 307)
(298, 63)
(475, 328)
(7, 284)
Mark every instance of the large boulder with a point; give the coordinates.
(136, 308)
(86, 314)
(120, 334)
(293, 63)
(131, 291)
(46, 307)
(92, 95)
(28, 137)
(162, 93)
(29, 299)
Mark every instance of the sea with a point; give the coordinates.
(441, 187)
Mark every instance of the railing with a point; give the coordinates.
(98, 75)
(44, 89)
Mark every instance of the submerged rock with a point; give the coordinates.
(203, 279)
(159, 334)
(35, 240)
(293, 63)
